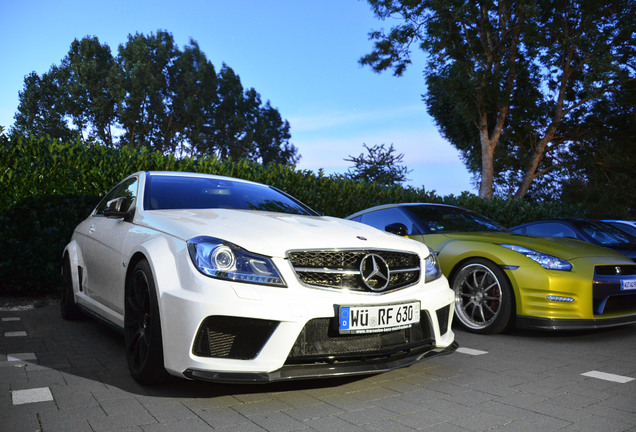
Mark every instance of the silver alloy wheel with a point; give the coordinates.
(479, 296)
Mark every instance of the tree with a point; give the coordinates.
(141, 85)
(508, 80)
(380, 165)
(90, 104)
(194, 98)
(42, 107)
(272, 137)
(156, 96)
(603, 162)
(235, 116)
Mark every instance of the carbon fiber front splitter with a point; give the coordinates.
(322, 370)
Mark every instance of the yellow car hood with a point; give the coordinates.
(562, 247)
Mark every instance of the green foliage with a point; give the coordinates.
(49, 187)
(604, 159)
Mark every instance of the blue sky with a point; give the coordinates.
(300, 55)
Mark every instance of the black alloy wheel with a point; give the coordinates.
(142, 327)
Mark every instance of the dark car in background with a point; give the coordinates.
(624, 225)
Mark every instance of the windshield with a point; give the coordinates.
(440, 219)
(604, 233)
(181, 192)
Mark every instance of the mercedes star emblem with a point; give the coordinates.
(375, 272)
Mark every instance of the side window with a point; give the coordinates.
(127, 189)
(551, 229)
(381, 218)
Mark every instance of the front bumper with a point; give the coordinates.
(583, 298)
(192, 306)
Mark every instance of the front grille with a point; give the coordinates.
(342, 268)
(608, 296)
(615, 270)
(232, 337)
(320, 341)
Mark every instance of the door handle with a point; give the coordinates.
(91, 229)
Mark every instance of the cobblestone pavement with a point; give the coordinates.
(72, 376)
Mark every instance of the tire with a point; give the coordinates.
(68, 308)
(142, 327)
(484, 299)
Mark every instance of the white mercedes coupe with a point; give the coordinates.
(224, 280)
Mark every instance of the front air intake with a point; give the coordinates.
(232, 337)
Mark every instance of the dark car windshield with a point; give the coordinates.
(440, 219)
(180, 192)
(604, 233)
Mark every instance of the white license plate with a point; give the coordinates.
(628, 284)
(378, 318)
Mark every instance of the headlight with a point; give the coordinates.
(223, 260)
(433, 271)
(546, 261)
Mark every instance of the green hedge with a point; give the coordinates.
(49, 187)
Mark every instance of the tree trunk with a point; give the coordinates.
(487, 164)
(537, 156)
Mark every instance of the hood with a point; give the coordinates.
(273, 234)
(562, 247)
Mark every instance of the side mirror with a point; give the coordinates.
(115, 208)
(397, 228)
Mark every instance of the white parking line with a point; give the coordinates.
(41, 394)
(15, 334)
(21, 357)
(608, 377)
(471, 351)
(7, 319)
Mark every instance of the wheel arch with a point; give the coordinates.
(134, 260)
(72, 253)
(459, 258)
(162, 254)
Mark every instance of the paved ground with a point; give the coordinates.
(72, 376)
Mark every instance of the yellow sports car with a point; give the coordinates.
(503, 279)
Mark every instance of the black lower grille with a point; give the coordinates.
(615, 304)
(442, 319)
(320, 341)
(232, 337)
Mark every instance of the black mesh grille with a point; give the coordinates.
(341, 269)
(615, 270)
(442, 319)
(320, 341)
(232, 337)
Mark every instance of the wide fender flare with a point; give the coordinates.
(74, 253)
(162, 254)
(454, 252)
